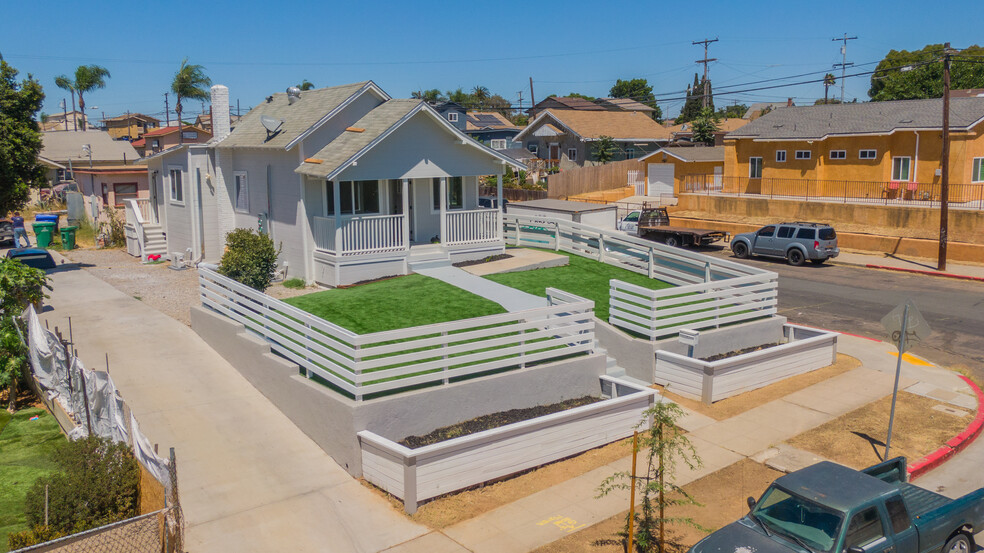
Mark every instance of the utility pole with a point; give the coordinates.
(520, 100)
(532, 100)
(705, 61)
(945, 159)
(167, 111)
(843, 65)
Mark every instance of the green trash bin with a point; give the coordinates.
(43, 230)
(68, 238)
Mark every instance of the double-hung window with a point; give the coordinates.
(838, 154)
(176, 186)
(452, 116)
(754, 167)
(242, 191)
(455, 193)
(356, 197)
(780, 156)
(867, 154)
(498, 143)
(803, 154)
(900, 168)
(572, 154)
(978, 173)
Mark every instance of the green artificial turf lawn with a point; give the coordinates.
(583, 277)
(26, 454)
(401, 302)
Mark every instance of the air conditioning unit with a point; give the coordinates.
(177, 261)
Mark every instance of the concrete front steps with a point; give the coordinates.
(428, 256)
(154, 240)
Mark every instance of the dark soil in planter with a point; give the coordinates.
(720, 356)
(488, 259)
(494, 420)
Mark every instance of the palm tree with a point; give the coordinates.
(306, 85)
(480, 94)
(189, 82)
(87, 79)
(828, 81)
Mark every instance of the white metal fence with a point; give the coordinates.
(414, 475)
(363, 365)
(661, 313)
(472, 227)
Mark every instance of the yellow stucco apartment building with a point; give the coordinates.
(889, 150)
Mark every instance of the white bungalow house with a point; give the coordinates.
(350, 183)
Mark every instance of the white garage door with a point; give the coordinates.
(660, 176)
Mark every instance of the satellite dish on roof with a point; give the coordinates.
(271, 125)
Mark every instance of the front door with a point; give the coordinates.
(554, 153)
(396, 202)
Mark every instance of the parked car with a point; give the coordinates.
(794, 242)
(6, 232)
(830, 508)
(491, 202)
(629, 223)
(653, 223)
(39, 258)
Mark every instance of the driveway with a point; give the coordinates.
(249, 479)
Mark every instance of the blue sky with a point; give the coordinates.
(258, 48)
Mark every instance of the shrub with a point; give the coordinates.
(34, 536)
(250, 258)
(100, 484)
(113, 230)
(296, 283)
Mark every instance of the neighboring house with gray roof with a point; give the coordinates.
(351, 184)
(897, 143)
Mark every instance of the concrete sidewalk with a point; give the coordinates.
(909, 264)
(250, 480)
(527, 523)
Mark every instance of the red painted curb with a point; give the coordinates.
(923, 272)
(838, 332)
(957, 443)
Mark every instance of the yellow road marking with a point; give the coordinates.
(564, 523)
(911, 359)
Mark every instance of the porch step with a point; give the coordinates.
(428, 257)
(416, 265)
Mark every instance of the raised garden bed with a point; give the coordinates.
(495, 420)
(804, 350)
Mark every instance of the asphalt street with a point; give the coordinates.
(854, 299)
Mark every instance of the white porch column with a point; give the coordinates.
(307, 238)
(444, 209)
(498, 201)
(337, 195)
(406, 212)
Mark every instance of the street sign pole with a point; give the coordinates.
(898, 372)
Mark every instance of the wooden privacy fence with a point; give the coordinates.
(513, 194)
(677, 266)
(806, 349)
(662, 313)
(415, 475)
(392, 361)
(592, 179)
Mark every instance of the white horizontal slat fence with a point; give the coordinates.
(397, 360)
(415, 475)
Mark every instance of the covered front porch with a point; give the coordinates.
(373, 228)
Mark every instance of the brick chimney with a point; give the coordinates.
(221, 126)
(789, 102)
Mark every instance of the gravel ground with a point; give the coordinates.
(170, 292)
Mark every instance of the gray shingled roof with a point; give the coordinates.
(692, 153)
(308, 110)
(817, 122)
(340, 150)
(61, 146)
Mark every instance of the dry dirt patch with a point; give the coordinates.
(722, 493)
(727, 408)
(857, 439)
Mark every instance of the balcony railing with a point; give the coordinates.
(966, 196)
(359, 235)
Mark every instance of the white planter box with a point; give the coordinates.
(807, 349)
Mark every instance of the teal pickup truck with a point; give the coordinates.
(830, 508)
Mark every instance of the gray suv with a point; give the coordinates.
(795, 242)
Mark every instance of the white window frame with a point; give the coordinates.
(978, 170)
(498, 143)
(868, 154)
(175, 194)
(837, 154)
(780, 156)
(804, 155)
(572, 154)
(453, 116)
(630, 153)
(754, 162)
(435, 194)
(908, 168)
(240, 184)
(533, 149)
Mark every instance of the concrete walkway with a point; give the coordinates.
(529, 522)
(509, 298)
(249, 479)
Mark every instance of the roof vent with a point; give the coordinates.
(271, 125)
(293, 95)
(269, 99)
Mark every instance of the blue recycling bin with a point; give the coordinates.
(47, 218)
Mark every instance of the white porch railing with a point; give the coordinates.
(359, 235)
(134, 227)
(401, 360)
(146, 211)
(472, 227)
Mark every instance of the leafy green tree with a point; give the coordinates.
(306, 85)
(20, 286)
(638, 90)
(190, 82)
(828, 81)
(250, 258)
(736, 111)
(20, 141)
(891, 82)
(479, 97)
(604, 149)
(693, 105)
(459, 96)
(87, 78)
(433, 95)
(666, 445)
(704, 127)
(582, 96)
